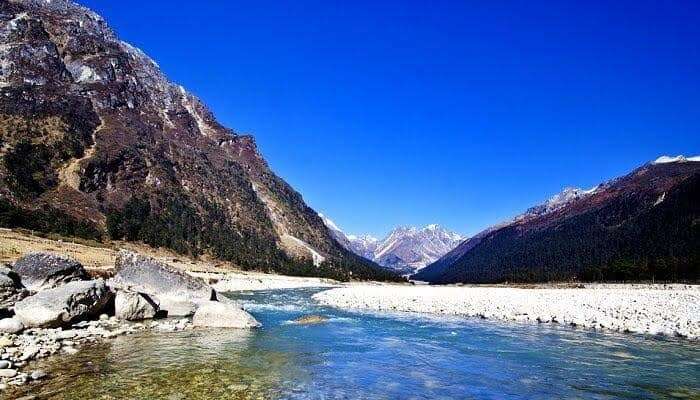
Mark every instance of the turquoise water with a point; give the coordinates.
(375, 356)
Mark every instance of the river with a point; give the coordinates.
(357, 355)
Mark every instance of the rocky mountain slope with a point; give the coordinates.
(405, 250)
(642, 226)
(95, 142)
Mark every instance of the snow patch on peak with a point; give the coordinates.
(678, 158)
(567, 196)
(329, 223)
(405, 249)
(316, 257)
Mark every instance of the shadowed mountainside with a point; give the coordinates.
(642, 226)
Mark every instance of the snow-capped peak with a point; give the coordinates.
(364, 238)
(405, 249)
(678, 158)
(329, 223)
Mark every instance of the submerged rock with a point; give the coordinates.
(214, 314)
(310, 320)
(40, 271)
(64, 304)
(133, 306)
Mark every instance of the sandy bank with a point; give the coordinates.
(649, 309)
(238, 281)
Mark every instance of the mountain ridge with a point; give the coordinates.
(97, 142)
(405, 249)
(643, 225)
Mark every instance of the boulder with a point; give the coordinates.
(214, 314)
(40, 271)
(64, 304)
(11, 325)
(134, 306)
(178, 307)
(177, 291)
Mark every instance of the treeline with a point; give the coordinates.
(176, 224)
(46, 219)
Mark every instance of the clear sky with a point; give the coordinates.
(462, 113)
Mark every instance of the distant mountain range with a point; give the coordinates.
(404, 250)
(96, 142)
(644, 225)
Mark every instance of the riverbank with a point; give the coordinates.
(671, 310)
(236, 281)
(98, 260)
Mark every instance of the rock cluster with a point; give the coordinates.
(60, 308)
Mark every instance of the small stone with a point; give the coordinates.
(4, 364)
(63, 335)
(104, 317)
(6, 341)
(8, 373)
(11, 325)
(29, 353)
(70, 350)
(38, 374)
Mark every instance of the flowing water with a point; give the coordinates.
(373, 356)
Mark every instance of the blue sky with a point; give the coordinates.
(385, 113)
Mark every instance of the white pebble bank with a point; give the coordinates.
(648, 309)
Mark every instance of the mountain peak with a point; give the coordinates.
(405, 249)
(679, 158)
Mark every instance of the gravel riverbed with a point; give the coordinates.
(672, 310)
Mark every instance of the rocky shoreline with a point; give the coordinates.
(672, 310)
(49, 305)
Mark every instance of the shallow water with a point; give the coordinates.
(373, 356)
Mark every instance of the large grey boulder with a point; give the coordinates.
(40, 271)
(174, 288)
(133, 306)
(63, 305)
(214, 314)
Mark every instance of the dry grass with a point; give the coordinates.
(97, 257)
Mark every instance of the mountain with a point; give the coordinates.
(405, 250)
(641, 226)
(96, 142)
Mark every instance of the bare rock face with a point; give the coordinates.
(96, 142)
(178, 293)
(64, 304)
(11, 289)
(179, 307)
(214, 314)
(39, 271)
(133, 306)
